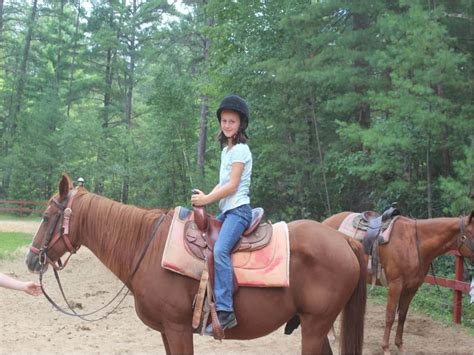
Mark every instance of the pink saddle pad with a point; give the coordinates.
(267, 267)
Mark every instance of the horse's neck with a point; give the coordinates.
(104, 234)
(437, 236)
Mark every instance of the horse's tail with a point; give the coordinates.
(352, 322)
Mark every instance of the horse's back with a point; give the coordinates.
(324, 247)
(336, 220)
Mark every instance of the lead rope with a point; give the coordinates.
(83, 315)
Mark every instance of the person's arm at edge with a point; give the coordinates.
(29, 287)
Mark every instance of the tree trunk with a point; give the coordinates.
(73, 62)
(202, 135)
(445, 152)
(58, 66)
(130, 78)
(361, 22)
(16, 98)
(101, 154)
(1, 19)
(321, 157)
(23, 66)
(204, 110)
(429, 198)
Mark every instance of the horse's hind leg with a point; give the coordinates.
(314, 335)
(403, 305)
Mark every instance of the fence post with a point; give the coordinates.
(457, 297)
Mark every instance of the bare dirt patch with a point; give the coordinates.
(19, 226)
(31, 325)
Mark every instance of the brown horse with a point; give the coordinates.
(327, 276)
(407, 256)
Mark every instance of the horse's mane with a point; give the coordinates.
(116, 232)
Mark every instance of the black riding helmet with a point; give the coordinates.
(237, 104)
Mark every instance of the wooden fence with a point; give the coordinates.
(22, 207)
(457, 285)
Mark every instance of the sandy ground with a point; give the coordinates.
(31, 325)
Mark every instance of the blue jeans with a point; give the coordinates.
(235, 222)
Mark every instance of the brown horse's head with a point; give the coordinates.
(466, 241)
(52, 239)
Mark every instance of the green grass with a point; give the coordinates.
(433, 301)
(11, 241)
(14, 217)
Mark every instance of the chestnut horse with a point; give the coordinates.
(407, 256)
(327, 276)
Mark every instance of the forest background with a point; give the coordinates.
(354, 104)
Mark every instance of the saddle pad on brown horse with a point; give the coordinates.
(266, 267)
(347, 227)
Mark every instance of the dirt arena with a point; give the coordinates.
(31, 325)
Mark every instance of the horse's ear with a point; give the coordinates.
(65, 185)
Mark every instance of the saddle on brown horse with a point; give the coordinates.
(374, 224)
(200, 236)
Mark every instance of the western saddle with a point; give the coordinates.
(374, 223)
(200, 235)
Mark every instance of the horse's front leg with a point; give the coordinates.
(178, 339)
(405, 300)
(393, 297)
(165, 343)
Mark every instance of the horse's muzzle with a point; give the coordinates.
(33, 263)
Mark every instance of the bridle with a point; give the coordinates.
(54, 234)
(465, 238)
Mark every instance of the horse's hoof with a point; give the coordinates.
(401, 349)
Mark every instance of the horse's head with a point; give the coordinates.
(466, 239)
(52, 240)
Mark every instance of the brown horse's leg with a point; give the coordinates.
(404, 303)
(393, 297)
(165, 343)
(179, 339)
(327, 347)
(314, 332)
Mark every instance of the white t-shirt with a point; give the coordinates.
(240, 153)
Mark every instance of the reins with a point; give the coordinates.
(82, 316)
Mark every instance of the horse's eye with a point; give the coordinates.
(45, 219)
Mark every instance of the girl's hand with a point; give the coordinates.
(198, 198)
(32, 288)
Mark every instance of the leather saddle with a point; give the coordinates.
(200, 232)
(374, 224)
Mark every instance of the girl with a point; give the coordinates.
(232, 192)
